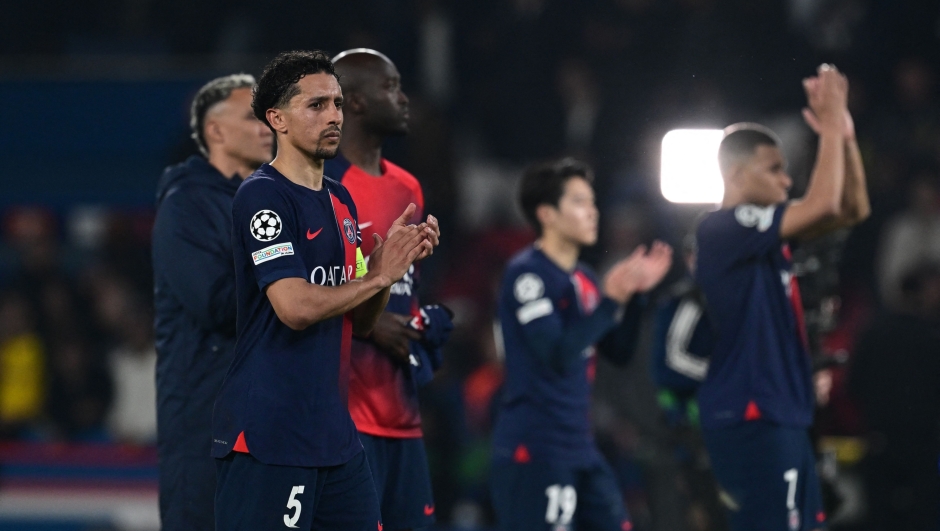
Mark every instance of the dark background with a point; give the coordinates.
(94, 103)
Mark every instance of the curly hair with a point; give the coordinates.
(278, 82)
(544, 184)
(213, 92)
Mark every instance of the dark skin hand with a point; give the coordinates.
(393, 336)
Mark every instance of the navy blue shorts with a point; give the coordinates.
(187, 492)
(767, 475)
(251, 496)
(537, 496)
(402, 481)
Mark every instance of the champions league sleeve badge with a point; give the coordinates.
(265, 225)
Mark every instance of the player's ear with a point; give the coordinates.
(735, 173)
(277, 120)
(545, 214)
(212, 131)
(354, 103)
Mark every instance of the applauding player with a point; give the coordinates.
(757, 400)
(289, 454)
(404, 348)
(547, 471)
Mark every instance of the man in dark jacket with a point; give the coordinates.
(194, 291)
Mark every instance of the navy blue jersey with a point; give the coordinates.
(545, 411)
(760, 366)
(682, 341)
(284, 398)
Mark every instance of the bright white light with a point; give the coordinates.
(690, 171)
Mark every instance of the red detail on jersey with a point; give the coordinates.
(313, 235)
(240, 444)
(820, 517)
(591, 369)
(380, 526)
(428, 510)
(627, 525)
(588, 295)
(381, 400)
(588, 299)
(796, 301)
(521, 455)
(752, 412)
(341, 212)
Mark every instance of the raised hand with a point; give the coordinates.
(813, 123)
(433, 230)
(403, 220)
(430, 228)
(390, 260)
(639, 272)
(827, 97)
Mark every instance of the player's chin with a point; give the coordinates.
(327, 152)
(589, 238)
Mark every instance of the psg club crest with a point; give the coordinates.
(349, 230)
(265, 225)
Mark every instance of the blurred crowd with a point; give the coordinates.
(495, 84)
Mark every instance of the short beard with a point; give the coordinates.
(325, 153)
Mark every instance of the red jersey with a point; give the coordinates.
(383, 395)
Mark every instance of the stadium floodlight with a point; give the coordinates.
(690, 171)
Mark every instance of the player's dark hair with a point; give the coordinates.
(544, 184)
(213, 92)
(741, 141)
(278, 82)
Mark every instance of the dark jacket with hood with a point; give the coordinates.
(194, 299)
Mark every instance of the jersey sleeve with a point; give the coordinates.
(263, 225)
(197, 270)
(535, 306)
(743, 232)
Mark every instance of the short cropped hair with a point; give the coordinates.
(544, 184)
(278, 82)
(741, 141)
(213, 92)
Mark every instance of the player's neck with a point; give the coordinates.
(561, 251)
(731, 199)
(362, 148)
(230, 167)
(298, 167)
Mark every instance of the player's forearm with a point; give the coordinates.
(855, 203)
(559, 347)
(824, 194)
(302, 304)
(367, 314)
(619, 345)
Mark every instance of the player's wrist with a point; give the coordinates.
(378, 279)
(831, 131)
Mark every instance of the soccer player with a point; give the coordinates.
(288, 451)
(756, 402)
(386, 366)
(547, 471)
(194, 291)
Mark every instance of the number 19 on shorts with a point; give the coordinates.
(562, 501)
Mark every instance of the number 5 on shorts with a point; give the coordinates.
(292, 502)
